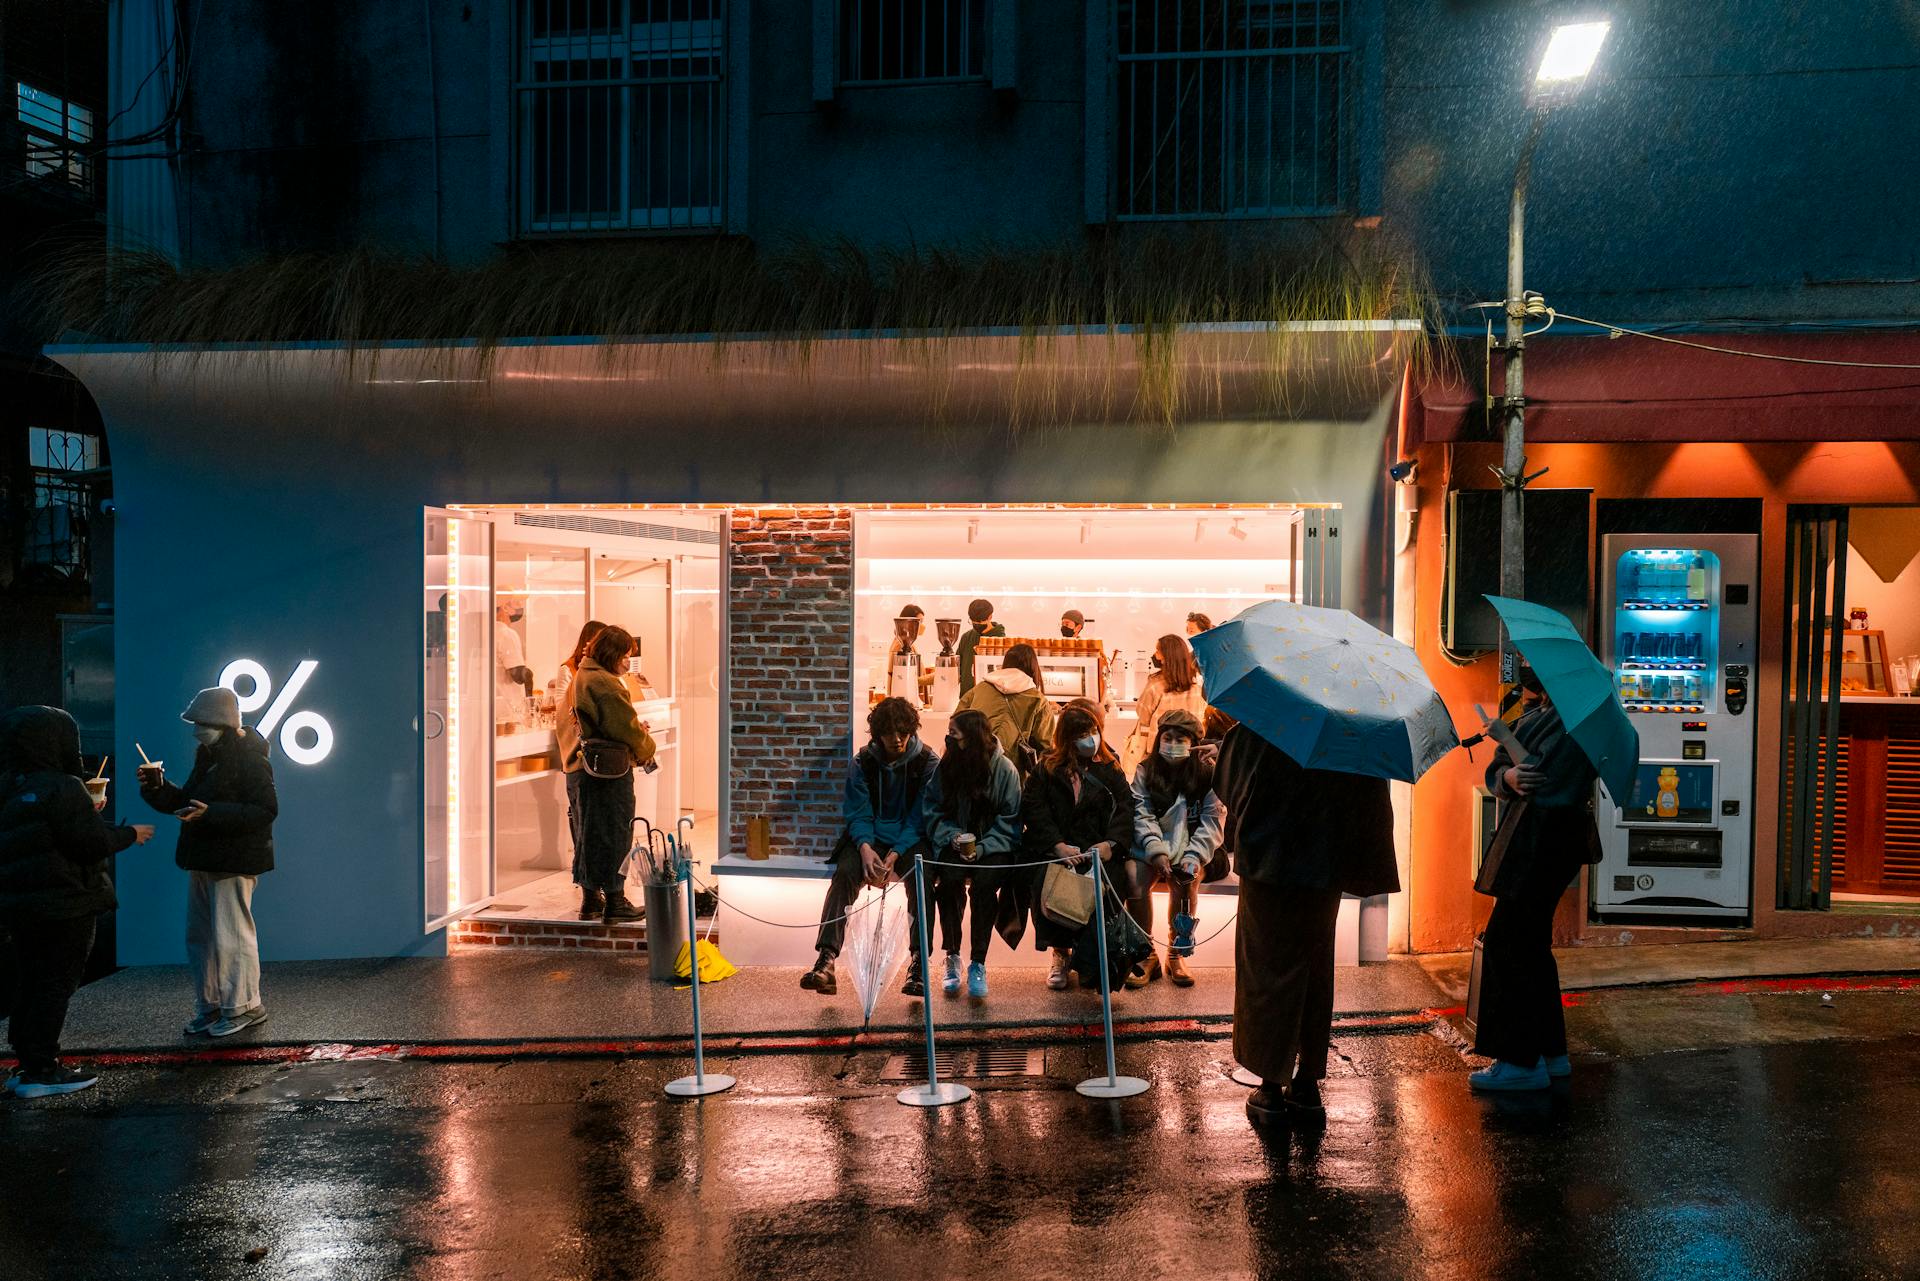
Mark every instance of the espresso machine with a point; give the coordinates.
(903, 672)
(946, 666)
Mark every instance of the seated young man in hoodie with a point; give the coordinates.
(882, 814)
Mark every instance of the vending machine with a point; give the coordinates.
(1677, 628)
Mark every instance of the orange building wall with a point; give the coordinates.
(1444, 913)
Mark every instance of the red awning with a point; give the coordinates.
(1630, 388)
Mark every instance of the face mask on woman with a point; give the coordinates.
(1087, 745)
(1153, 664)
(208, 735)
(1175, 749)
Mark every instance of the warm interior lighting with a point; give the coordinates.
(1571, 53)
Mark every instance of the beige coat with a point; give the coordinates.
(1156, 700)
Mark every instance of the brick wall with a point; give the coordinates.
(790, 611)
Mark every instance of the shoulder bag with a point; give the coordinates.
(600, 757)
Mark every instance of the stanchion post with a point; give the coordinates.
(692, 1087)
(1111, 1086)
(935, 1093)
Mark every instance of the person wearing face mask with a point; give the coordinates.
(1174, 685)
(1075, 807)
(1177, 822)
(226, 810)
(1072, 623)
(513, 679)
(970, 812)
(1522, 1026)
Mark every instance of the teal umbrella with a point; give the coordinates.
(1326, 689)
(1581, 689)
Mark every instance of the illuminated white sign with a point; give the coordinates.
(306, 737)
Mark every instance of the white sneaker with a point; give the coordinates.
(1060, 973)
(239, 1021)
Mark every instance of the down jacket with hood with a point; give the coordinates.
(234, 779)
(53, 846)
(1014, 707)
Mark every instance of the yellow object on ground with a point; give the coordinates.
(713, 966)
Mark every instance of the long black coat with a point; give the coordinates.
(53, 846)
(235, 781)
(1306, 828)
(1104, 812)
(1559, 814)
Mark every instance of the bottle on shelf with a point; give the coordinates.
(1697, 580)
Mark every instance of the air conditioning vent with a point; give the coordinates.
(618, 528)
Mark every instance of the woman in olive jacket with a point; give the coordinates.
(1076, 806)
(1300, 839)
(605, 712)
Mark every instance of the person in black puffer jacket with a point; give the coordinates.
(54, 848)
(226, 810)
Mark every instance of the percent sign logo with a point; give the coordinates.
(306, 737)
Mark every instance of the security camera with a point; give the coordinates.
(108, 507)
(1406, 471)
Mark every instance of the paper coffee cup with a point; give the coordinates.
(97, 789)
(966, 843)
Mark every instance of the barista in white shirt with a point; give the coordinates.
(513, 680)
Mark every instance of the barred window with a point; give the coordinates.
(912, 41)
(57, 518)
(622, 111)
(1231, 108)
(55, 130)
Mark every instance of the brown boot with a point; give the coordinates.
(1177, 971)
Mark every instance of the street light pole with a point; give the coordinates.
(1513, 456)
(1563, 68)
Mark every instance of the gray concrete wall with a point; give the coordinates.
(1733, 160)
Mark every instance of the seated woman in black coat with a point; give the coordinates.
(1076, 806)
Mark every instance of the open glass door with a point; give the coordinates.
(456, 724)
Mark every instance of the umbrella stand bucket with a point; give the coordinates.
(666, 927)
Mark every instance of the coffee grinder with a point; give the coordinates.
(946, 667)
(903, 673)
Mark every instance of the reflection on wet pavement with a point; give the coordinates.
(1777, 1162)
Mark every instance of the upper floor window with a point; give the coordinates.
(55, 131)
(57, 517)
(912, 41)
(622, 114)
(1231, 108)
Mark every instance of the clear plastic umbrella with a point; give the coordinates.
(876, 945)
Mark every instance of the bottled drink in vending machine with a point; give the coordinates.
(1697, 580)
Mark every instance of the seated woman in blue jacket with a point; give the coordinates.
(972, 821)
(881, 810)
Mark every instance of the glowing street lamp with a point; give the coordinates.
(1570, 55)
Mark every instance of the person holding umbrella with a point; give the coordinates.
(1573, 732)
(1329, 710)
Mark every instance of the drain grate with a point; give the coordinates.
(998, 1062)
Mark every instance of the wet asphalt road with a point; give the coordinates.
(1778, 1161)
